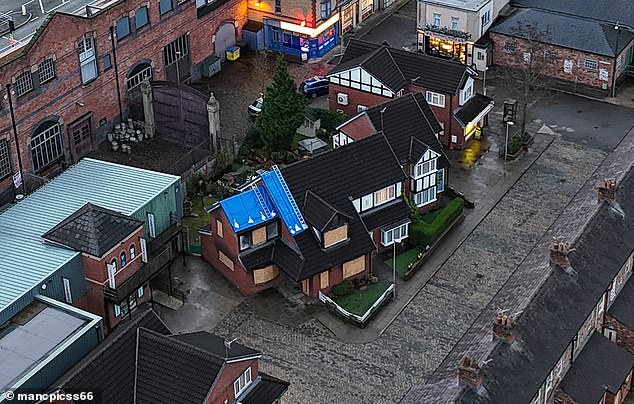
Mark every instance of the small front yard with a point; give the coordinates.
(403, 260)
(359, 301)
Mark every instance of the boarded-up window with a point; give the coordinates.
(353, 267)
(306, 286)
(219, 228)
(225, 260)
(258, 235)
(324, 279)
(265, 274)
(336, 235)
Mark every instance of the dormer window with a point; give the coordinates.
(242, 382)
(245, 241)
(335, 236)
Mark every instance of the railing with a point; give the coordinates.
(159, 256)
(358, 320)
(168, 234)
(447, 33)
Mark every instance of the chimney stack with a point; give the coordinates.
(559, 254)
(469, 373)
(607, 191)
(503, 327)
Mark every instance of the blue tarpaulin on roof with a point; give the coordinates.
(249, 208)
(283, 200)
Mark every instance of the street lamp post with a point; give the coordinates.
(484, 81)
(616, 56)
(394, 269)
(178, 81)
(506, 143)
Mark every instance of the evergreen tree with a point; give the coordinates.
(282, 112)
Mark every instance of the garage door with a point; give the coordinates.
(225, 37)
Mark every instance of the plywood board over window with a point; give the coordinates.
(225, 260)
(336, 235)
(354, 267)
(219, 228)
(258, 235)
(324, 279)
(265, 274)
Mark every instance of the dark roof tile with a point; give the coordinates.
(216, 345)
(471, 109)
(266, 391)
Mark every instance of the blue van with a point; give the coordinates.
(314, 86)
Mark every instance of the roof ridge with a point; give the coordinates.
(164, 338)
(389, 49)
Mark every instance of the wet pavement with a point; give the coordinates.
(399, 29)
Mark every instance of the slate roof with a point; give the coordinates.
(471, 109)
(216, 345)
(278, 252)
(552, 304)
(601, 366)
(336, 176)
(392, 212)
(395, 67)
(170, 371)
(568, 31)
(406, 118)
(623, 307)
(93, 230)
(266, 390)
(109, 368)
(612, 11)
(319, 213)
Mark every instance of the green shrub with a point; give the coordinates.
(515, 145)
(424, 234)
(343, 289)
(329, 119)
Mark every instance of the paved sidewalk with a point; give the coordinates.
(406, 291)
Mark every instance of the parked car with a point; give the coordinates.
(314, 86)
(256, 107)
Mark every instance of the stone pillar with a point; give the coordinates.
(213, 113)
(148, 108)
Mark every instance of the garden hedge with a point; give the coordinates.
(424, 234)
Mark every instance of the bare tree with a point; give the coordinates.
(526, 77)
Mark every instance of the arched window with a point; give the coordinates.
(141, 72)
(122, 259)
(132, 252)
(46, 145)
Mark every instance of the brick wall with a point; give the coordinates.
(555, 68)
(67, 99)
(624, 335)
(355, 98)
(293, 11)
(561, 397)
(223, 389)
(335, 278)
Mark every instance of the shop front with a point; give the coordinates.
(301, 41)
(449, 44)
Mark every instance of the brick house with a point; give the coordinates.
(144, 362)
(555, 341)
(370, 74)
(71, 82)
(315, 222)
(411, 128)
(597, 56)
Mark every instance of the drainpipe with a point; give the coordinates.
(15, 135)
(116, 73)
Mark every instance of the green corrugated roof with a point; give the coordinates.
(25, 260)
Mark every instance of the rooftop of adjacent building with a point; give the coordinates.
(25, 260)
(37, 334)
(466, 5)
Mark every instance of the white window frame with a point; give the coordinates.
(426, 196)
(46, 70)
(151, 224)
(117, 310)
(384, 195)
(455, 21)
(440, 180)
(437, 19)
(242, 382)
(387, 236)
(591, 64)
(46, 147)
(68, 295)
(87, 59)
(424, 168)
(139, 292)
(366, 202)
(133, 81)
(23, 83)
(435, 99)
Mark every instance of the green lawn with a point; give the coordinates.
(193, 223)
(358, 302)
(403, 260)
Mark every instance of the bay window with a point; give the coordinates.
(397, 233)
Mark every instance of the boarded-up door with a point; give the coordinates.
(225, 37)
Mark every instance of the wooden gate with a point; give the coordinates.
(180, 113)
